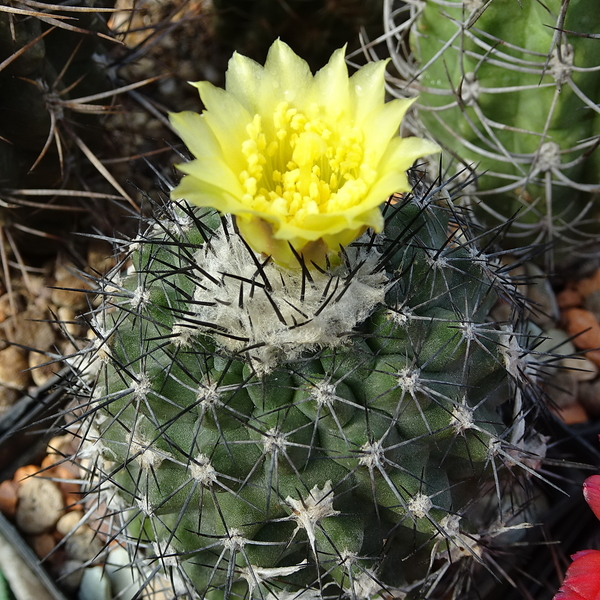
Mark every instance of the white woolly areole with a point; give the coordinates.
(277, 312)
(461, 419)
(166, 553)
(420, 505)
(364, 586)
(310, 510)
(202, 471)
(257, 575)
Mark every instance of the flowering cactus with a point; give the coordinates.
(582, 581)
(282, 407)
(303, 162)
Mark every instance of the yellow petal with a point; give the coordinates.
(367, 89)
(403, 152)
(214, 173)
(286, 77)
(195, 133)
(242, 80)
(225, 116)
(202, 194)
(383, 124)
(331, 87)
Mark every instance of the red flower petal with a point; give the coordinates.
(582, 581)
(591, 492)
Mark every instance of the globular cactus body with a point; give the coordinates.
(279, 411)
(331, 439)
(509, 88)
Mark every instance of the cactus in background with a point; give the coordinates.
(283, 403)
(510, 88)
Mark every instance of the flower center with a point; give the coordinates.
(297, 165)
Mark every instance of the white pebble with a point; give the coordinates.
(95, 585)
(122, 577)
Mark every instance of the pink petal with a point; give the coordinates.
(582, 581)
(591, 492)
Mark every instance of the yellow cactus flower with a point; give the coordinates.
(300, 160)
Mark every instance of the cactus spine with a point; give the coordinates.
(257, 429)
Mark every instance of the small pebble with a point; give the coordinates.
(594, 356)
(121, 575)
(95, 585)
(42, 544)
(68, 318)
(584, 326)
(23, 473)
(60, 445)
(13, 368)
(70, 574)
(562, 388)
(8, 397)
(569, 298)
(7, 302)
(42, 368)
(572, 414)
(30, 328)
(83, 544)
(581, 368)
(589, 284)
(68, 522)
(8, 498)
(100, 256)
(68, 484)
(71, 291)
(40, 505)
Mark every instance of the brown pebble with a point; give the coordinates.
(8, 397)
(8, 302)
(569, 298)
(13, 368)
(42, 544)
(584, 327)
(30, 328)
(588, 285)
(100, 256)
(42, 368)
(62, 445)
(571, 414)
(23, 473)
(68, 487)
(594, 356)
(8, 498)
(68, 318)
(48, 463)
(40, 505)
(71, 291)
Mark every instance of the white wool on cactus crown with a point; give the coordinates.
(276, 314)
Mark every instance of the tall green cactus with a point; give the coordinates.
(350, 423)
(510, 88)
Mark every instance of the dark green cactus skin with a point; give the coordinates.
(344, 469)
(29, 83)
(495, 94)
